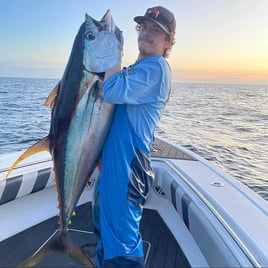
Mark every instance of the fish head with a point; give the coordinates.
(103, 44)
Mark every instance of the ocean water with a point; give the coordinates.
(226, 124)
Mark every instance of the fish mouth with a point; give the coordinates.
(100, 75)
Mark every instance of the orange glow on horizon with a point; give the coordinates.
(212, 75)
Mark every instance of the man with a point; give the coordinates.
(140, 92)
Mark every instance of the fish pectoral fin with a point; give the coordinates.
(40, 146)
(50, 100)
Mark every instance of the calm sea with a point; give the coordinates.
(226, 124)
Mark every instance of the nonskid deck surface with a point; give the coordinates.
(163, 149)
(161, 249)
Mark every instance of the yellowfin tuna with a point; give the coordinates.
(80, 122)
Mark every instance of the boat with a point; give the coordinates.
(196, 216)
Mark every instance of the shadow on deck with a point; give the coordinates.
(160, 248)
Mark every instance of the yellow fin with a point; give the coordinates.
(50, 100)
(42, 145)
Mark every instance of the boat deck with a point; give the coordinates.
(165, 150)
(160, 248)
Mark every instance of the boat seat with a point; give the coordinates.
(202, 225)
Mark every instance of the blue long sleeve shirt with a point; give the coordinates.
(144, 87)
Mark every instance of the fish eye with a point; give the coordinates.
(90, 36)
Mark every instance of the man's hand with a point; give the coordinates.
(111, 71)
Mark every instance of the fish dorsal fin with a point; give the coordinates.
(40, 146)
(108, 21)
(50, 100)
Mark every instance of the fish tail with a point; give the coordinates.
(78, 254)
(33, 260)
(42, 145)
(59, 243)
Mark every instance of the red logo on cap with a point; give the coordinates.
(156, 12)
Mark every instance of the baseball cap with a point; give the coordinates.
(161, 16)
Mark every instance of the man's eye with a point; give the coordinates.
(143, 26)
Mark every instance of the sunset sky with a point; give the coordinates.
(221, 41)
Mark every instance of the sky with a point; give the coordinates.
(217, 41)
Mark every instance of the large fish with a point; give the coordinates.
(80, 122)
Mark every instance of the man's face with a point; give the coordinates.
(152, 39)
